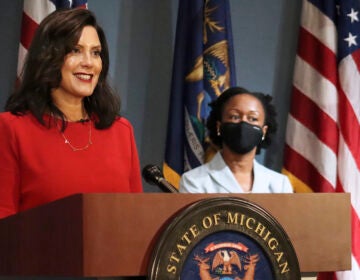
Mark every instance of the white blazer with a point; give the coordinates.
(216, 177)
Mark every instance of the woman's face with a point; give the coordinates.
(82, 67)
(244, 107)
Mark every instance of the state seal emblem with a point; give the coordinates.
(224, 239)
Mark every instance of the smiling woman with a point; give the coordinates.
(80, 74)
(62, 132)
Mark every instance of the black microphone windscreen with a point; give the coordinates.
(152, 174)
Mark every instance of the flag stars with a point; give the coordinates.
(353, 15)
(351, 40)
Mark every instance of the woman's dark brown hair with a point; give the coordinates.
(56, 36)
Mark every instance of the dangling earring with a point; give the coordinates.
(218, 132)
(263, 137)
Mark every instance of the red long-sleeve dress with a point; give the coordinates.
(37, 166)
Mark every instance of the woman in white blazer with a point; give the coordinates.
(240, 124)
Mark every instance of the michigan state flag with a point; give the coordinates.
(203, 68)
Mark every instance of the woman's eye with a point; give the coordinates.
(97, 53)
(253, 119)
(234, 117)
(75, 50)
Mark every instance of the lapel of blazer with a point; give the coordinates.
(222, 175)
(261, 179)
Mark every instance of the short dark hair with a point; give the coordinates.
(55, 37)
(218, 108)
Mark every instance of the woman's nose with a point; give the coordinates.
(87, 59)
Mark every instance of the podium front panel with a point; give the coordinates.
(103, 235)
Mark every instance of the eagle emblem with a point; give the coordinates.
(224, 260)
(223, 265)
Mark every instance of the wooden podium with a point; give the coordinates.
(103, 235)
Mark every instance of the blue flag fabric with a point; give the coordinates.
(61, 4)
(203, 68)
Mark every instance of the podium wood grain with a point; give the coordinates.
(103, 235)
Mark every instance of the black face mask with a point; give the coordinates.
(241, 137)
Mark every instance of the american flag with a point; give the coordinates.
(34, 12)
(322, 151)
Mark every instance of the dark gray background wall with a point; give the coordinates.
(141, 40)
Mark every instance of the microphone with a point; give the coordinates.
(153, 175)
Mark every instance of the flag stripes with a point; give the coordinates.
(323, 60)
(33, 13)
(322, 150)
(30, 26)
(310, 149)
(310, 82)
(325, 129)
